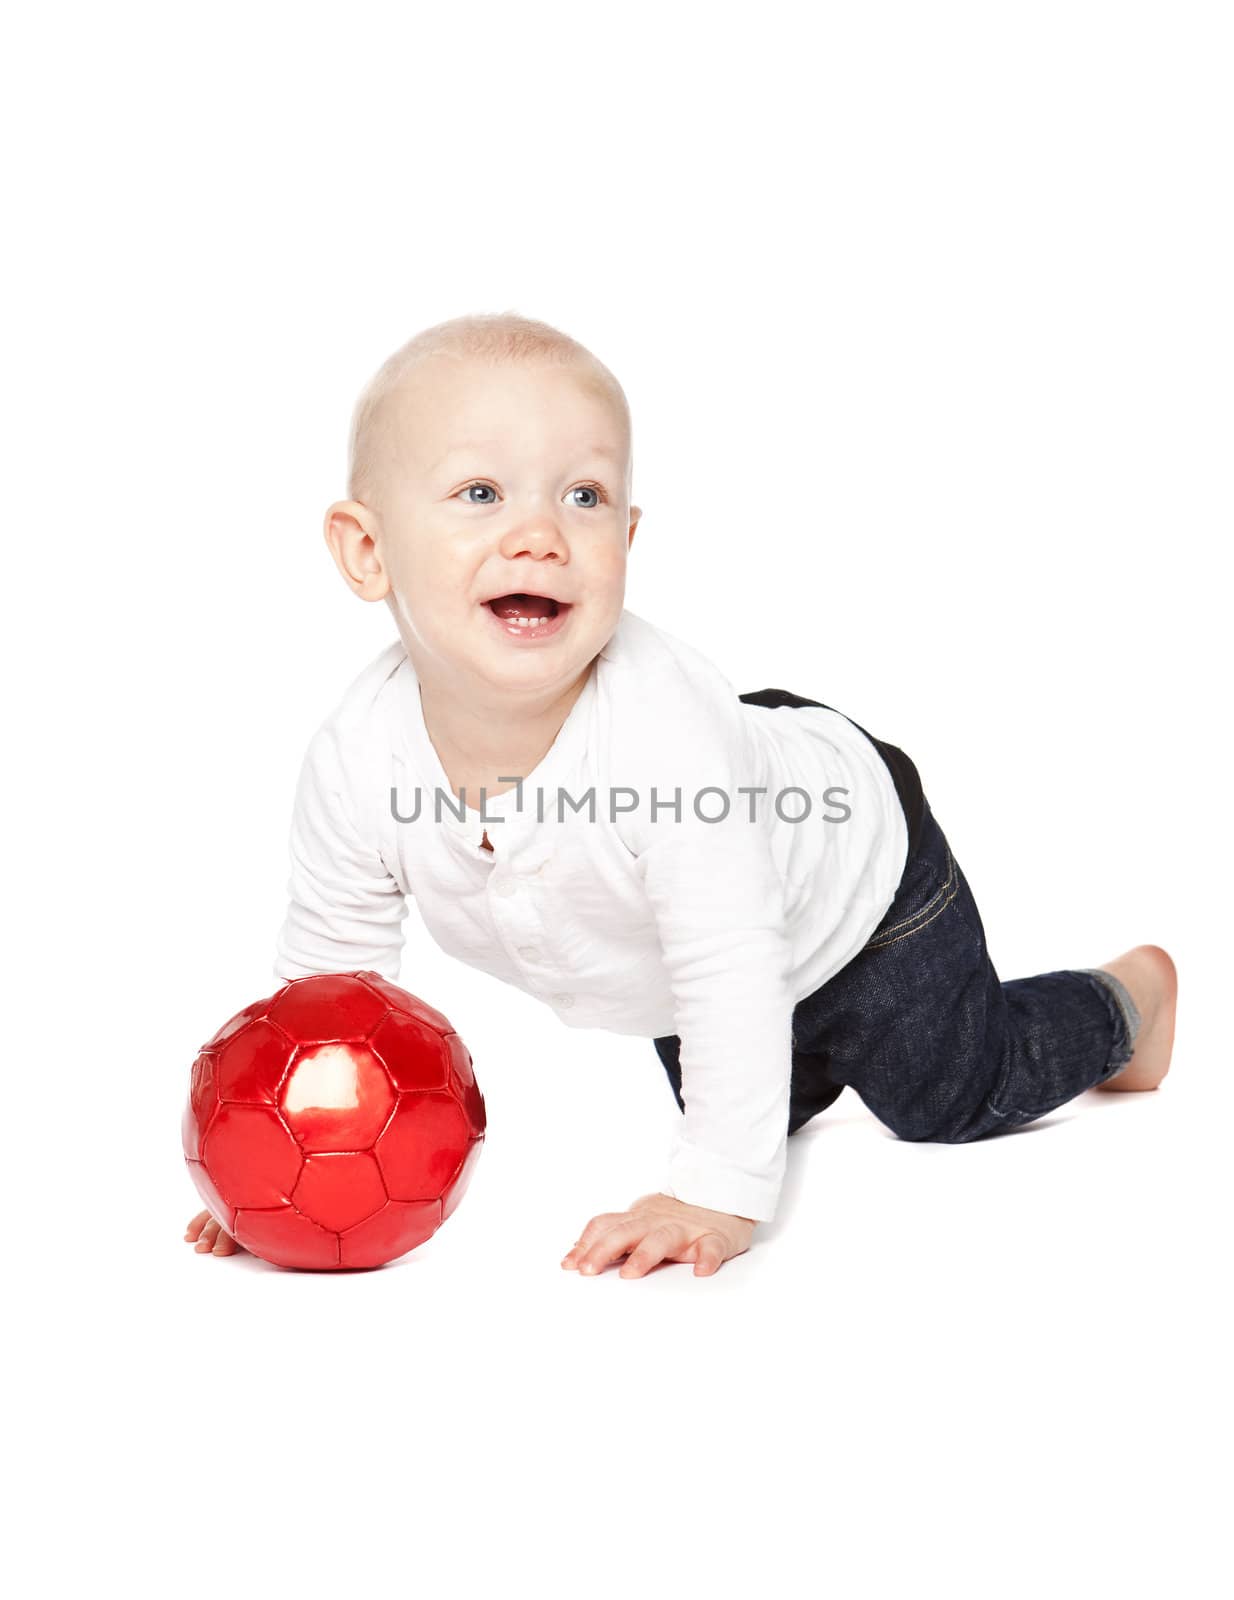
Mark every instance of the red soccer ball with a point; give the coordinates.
(335, 1124)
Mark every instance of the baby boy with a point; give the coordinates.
(581, 805)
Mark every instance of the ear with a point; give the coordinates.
(635, 513)
(351, 532)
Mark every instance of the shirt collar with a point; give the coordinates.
(552, 769)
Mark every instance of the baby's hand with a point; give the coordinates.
(659, 1228)
(211, 1239)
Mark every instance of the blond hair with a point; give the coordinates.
(500, 337)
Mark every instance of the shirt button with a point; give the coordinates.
(504, 886)
(529, 952)
(565, 1001)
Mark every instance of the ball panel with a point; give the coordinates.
(463, 1082)
(327, 1006)
(213, 1201)
(423, 1146)
(394, 1230)
(413, 1053)
(403, 1000)
(337, 1097)
(189, 1137)
(203, 1088)
(252, 1064)
(286, 1238)
(251, 1156)
(473, 1107)
(458, 1187)
(338, 1191)
(240, 1020)
(460, 1059)
(200, 1107)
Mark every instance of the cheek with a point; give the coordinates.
(610, 565)
(424, 566)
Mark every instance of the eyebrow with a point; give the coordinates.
(478, 444)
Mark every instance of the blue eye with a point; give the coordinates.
(581, 488)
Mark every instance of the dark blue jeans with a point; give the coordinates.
(934, 1043)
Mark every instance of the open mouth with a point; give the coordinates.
(531, 616)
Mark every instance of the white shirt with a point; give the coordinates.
(614, 917)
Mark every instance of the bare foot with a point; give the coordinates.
(1150, 975)
(211, 1239)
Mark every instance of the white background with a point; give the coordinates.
(924, 316)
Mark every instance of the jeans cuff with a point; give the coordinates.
(1121, 993)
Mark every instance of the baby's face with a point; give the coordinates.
(506, 481)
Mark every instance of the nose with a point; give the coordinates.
(537, 536)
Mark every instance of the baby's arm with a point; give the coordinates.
(719, 909)
(345, 909)
(718, 905)
(716, 894)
